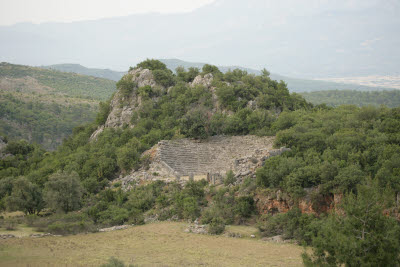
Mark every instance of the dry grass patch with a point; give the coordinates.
(159, 244)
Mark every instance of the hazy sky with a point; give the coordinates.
(37, 11)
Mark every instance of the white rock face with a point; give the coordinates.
(142, 77)
(122, 107)
(205, 80)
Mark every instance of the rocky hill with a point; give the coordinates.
(146, 89)
(212, 94)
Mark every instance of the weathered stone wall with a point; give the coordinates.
(210, 159)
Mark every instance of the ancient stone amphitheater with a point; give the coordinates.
(210, 159)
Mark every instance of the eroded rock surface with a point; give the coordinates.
(188, 159)
(122, 107)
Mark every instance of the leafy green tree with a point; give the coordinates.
(164, 77)
(104, 111)
(152, 64)
(217, 226)
(128, 156)
(186, 76)
(211, 69)
(25, 196)
(196, 123)
(21, 147)
(359, 233)
(191, 208)
(126, 85)
(63, 191)
(245, 206)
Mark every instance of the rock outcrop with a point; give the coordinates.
(205, 80)
(122, 107)
(211, 159)
(272, 202)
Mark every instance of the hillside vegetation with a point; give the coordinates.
(336, 98)
(347, 154)
(43, 106)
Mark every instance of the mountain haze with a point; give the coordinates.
(320, 39)
(294, 84)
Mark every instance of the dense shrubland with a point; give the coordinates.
(347, 150)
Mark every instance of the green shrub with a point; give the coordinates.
(245, 206)
(164, 77)
(70, 228)
(126, 85)
(291, 225)
(113, 215)
(63, 224)
(229, 178)
(104, 111)
(63, 191)
(191, 208)
(114, 262)
(217, 226)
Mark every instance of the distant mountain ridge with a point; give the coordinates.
(294, 84)
(77, 68)
(311, 39)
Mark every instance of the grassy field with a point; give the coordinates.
(159, 244)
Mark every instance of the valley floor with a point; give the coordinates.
(158, 244)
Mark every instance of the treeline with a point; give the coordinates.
(348, 151)
(336, 98)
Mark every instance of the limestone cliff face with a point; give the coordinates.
(205, 80)
(122, 107)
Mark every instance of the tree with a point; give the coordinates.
(128, 156)
(104, 111)
(25, 196)
(164, 77)
(360, 233)
(265, 72)
(63, 191)
(126, 85)
(196, 123)
(152, 64)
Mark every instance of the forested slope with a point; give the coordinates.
(43, 106)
